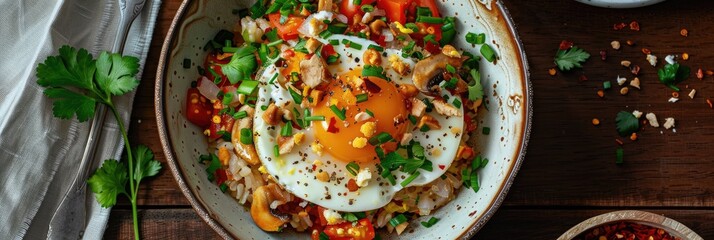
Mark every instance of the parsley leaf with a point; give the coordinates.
(242, 64)
(146, 165)
(68, 103)
(570, 58)
(115, 74)
(108, 182)
(626, 123)
(475, 88)
(70, 68)
(671, 74)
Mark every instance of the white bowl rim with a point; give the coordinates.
(202, 212)
(651, 219)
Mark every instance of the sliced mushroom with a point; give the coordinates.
(313, 71)
(266, 218)
(244, 151)
(428, 70)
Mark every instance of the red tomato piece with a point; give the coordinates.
(287, 30)
(363, 230)
(198, 108)
(225, 124)
(396, 9)
(221, 176)
(349, 9)
(431, 4)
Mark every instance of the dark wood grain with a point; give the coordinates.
(569, 172)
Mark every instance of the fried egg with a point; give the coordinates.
(316, 167)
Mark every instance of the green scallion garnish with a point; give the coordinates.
(380, 138)
(353, 168)
(456, 103)
(246, 136)
(428, 19)
(247, 87)
(297, 98)
(339, 113)
(362, 97)
(410, 179)
(430, 222)
(488, 53)
(276, 150)
(315, 118)
(241, 114)
(287, 130)
(376, 47)
(399, 219)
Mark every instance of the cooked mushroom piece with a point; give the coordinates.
(266, 218)
(244, 151)
(427, 72)
(313, 71)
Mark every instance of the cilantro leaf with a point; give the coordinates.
(70, 68)
(626, 123)
(68, 103)
(108, 182)
(115, 74)
(146, 165)
(570, 58)
(671, 74)
(475, 88)
(242, 64)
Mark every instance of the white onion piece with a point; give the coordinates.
(388, 36)
(426, 204)
(379, 12)
(341, 18)
(208, 89)
(262, 24)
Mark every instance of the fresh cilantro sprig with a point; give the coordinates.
(77, 82)
(242, 64)
(626, 123)
(671, 74)
(570, 58)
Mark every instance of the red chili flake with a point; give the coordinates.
(332, 127)
(583, 78)
(371, 87)
(441, 166)
(619, 26)
(221, 176)
(634, 26)
(646, 51)
(700, 74)
(289, 53)
(352, 185)
(314, 167)
(635, 70)
(603, 55)
(710, 103)
(565, 45)
(432, 48)
(618, 141)
(625, 230)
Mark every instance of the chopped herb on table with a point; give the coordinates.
(671, 74)
(569, 56)
(77, 82)
(627, 123)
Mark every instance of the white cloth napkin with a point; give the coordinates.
(40, 154)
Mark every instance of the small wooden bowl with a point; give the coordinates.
(673, 227)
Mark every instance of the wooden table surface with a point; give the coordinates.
(569, 173)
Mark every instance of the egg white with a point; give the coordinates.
(294, 170)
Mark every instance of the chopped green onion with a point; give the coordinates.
(475, 183)
(620, 154)
(471, 37)
(357, 2)
(276, 150)
(466, 177)
(275, 43)
(264, 107)
(352, 44)
(399, 219)
(488, 53)
(247, 87)
(334, 42)
(323, 235)
(486, 130)
(380, 138)
(332, 58)
(315, 118)
(272, 35)
(430, 38)
(423, 11)
(230, 49)
(412, 26)
(325, 34)
(227, 99)
(376, 47)
(424, 128)
(339, 113)
(297, 98)
(410, 179)
(294, 77)
(225, 135)
(362, 97)
(430, 222)
(476, 163)
(223, 187)
(412, 119)
(370, 113)
(186, 63)
(287, 130)
(409, 47)
(606, 85)
(456, 103)
(432, 20)
(367, 8)
(241, 114)
(337, 28)
(481, 38)
(373, 71)
(272, 79)
(246, 136)
(350, 217)
(450, 69)
(483, 163)
(353, 168)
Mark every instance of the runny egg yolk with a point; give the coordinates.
(387, 106)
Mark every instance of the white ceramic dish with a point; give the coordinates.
(509, 100)
(673, 227)
(620, 3)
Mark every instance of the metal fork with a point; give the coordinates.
(69, 220)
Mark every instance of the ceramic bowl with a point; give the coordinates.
(673, 227)
(508, 99)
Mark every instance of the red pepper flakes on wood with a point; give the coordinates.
(635, 26)
(625, 230)
(619, 26)
(700, 74)
(603, 55)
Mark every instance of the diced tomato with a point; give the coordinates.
(321, 215)
(431, 4)
(379, 39)
(470, 124)
(396, 9)
(327, 50)
(349, 9)
(221, 176)
(226, 124)
(287, 30)
(212, 59)
(332, 127)
(432, 47)
(198, 108)
(363, 230)
(565, 45)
